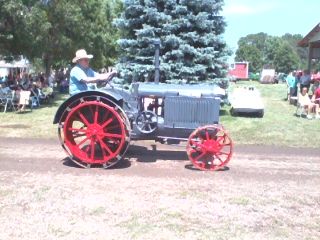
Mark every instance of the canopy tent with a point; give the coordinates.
(14, 66)
(312, 42)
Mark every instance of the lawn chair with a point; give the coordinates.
(3, 98)
(35, 99)
(8, 100)
(300, 110)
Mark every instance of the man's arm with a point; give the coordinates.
(99, 77)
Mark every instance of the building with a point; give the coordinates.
(312, 42)
(239, 70)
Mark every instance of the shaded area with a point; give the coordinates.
(193, 168)
(124, 163)
(145, 155)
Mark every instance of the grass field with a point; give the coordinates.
(33, 124)
(279, 126)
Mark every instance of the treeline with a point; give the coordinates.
(265, 51)
(50, 31)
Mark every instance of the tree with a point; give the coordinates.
(286, 60)
(12, 29)
(252, 55)
(262, 50)
(280, 55)
(293, 40)
(251, 49)
(258, 40)
(190, 31)
(66, 25)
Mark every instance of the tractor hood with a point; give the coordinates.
(189, 90)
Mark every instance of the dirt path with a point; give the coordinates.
(146, 158)
(266, 193)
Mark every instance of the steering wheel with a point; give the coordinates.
(104, 82)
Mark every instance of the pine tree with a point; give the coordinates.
(192, 48)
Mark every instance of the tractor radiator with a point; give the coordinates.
(190, 112)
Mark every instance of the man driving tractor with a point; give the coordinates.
(82, 77)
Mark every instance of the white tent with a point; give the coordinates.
(7, 67)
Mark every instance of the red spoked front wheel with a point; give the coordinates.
(209, 147)
(95, 133)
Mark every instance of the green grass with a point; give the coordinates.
(278, 127)
(31, 124)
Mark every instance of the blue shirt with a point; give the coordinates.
(77, 74)
(291, 80)
(305, 79)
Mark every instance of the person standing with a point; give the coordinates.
(82, 77)
(305, 80)
(292, 85)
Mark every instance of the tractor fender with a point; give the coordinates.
(112, 96)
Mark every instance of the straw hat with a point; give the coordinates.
(81, 54)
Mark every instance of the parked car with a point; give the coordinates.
(254, 76)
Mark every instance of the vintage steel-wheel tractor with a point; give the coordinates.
(95, 127)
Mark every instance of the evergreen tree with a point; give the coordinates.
(190, 31)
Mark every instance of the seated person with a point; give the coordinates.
(24, 97)
(64, 86)
(47, 91)
(82, 77)
(316, 96)
(316, 99)
(305, 102)
(24, 83)
(4, 89)
(316, 80)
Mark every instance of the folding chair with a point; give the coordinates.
(3, 98)
(300, 110)
(35, 99)
(10, 100)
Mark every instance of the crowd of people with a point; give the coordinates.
(27, 89)
(304, 87)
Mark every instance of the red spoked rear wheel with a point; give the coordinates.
(95, 133)
(209, 148)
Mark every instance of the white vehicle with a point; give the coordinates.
(246, 100)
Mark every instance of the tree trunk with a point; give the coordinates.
(47, 64)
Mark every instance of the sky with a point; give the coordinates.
(274, 17)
